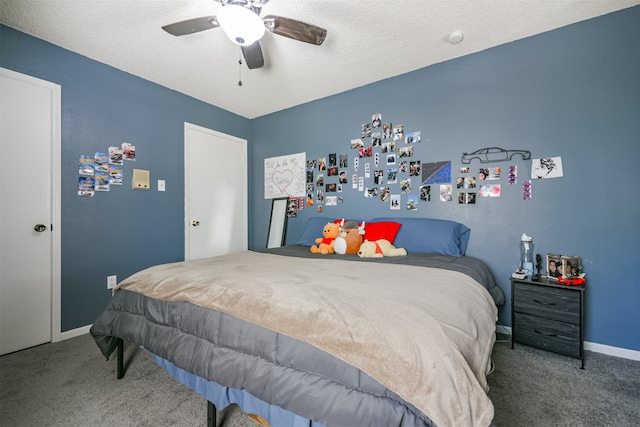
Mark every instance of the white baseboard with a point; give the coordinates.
(75, 332)
(625, 353)
(612, 351)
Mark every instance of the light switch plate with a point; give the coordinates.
(112, 281)
(161, 185)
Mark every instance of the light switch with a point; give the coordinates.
(161, 185)
(140, 180)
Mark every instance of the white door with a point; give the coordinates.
(216, 193)
(29, 201)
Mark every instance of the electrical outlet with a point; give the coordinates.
(112, 281)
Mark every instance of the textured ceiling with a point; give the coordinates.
(367, 41)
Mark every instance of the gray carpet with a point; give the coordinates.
(70, 384)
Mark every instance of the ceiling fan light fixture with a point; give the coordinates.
(241, 25)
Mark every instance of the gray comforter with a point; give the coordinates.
(344, 343)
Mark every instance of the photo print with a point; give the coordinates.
(394, 202)
(398, 133)
(391, 159)
(322, 164)
(547, 167)
(405, 186)
(376, 139)
(333, 159)
(489, 173)
(513, 174)
(526, 190)
(357, 143)
(378, 177)
(365, 152)
(366, 130)
(413, 137)
(371, 193)
(490, 190)
(311, 164)
(470, 182)
(344, 160)
(376, 120)
(388, 147)
(403, 167)
(414, 168)
(425, 193)
(387, 131)
(405, 152)
(446, 193)
(412, 202)
(385, 194)
(392, 176)
(466, 198)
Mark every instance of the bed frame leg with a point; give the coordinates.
(120, 358)
(211, 414)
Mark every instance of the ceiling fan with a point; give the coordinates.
(240, 20)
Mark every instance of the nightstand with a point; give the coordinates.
(549, 316)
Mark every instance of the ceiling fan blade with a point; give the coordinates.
(296, 30)
(191, 26)
(253, 55)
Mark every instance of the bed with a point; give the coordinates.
(334, 340)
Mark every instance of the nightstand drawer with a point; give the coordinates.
(550, 303)
(559, 337)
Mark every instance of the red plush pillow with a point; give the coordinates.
(381, 230)
(338, 221)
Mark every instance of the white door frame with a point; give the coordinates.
(56, 229)
(187, 190)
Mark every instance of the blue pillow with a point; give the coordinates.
(313, 230)
(428, 235)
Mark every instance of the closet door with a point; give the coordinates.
(215, 193)
(30, 134)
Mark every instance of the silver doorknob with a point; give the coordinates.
(40, 228)
(195, 223)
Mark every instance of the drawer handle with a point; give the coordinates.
(542, 333)
(544, 303)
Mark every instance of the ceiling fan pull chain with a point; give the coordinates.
(240, 71)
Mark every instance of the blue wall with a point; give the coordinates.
(122, 231)
(572, 93)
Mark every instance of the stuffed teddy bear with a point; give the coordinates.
(325, 243)
(378, 249)
(349, 238)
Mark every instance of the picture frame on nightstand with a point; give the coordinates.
(554, 267)
(571, 267)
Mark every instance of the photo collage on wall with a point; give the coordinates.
(102, 170)
(381, 164)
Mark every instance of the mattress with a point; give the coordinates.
(342, 341)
